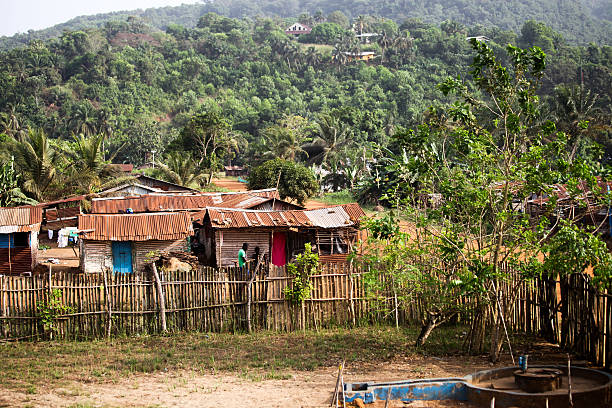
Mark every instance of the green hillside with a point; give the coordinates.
(269, 95)
(578, 21)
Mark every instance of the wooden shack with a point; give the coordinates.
(277, 235)
(123, 242)
(19, 227)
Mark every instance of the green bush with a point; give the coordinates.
(296, 181)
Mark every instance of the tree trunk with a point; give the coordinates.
(431, 323)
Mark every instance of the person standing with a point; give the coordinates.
(242, 255)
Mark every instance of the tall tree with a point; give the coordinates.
(37, 161)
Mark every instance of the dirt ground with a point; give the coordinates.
(68, 257)
(230, 184)
(188, 388)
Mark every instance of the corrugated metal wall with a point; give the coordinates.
(230, 242)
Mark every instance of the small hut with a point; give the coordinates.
(19, 227)
(123, 242)
(277, 235)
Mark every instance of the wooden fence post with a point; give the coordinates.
(250, 294)
(109, 312)
(161, 298)
(3, 308)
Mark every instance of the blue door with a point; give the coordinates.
(122, 257)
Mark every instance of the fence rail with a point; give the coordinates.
(216, 300)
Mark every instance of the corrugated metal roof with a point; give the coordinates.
(330, 217)
(174, 202)
(136, 227)
(20, 216)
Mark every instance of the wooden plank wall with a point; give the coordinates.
(215, 300)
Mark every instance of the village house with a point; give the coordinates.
(360, 56)
(122, 242)
(277, 235)
(142, 184)
(298, 29)
(236, 171)
(19, 228)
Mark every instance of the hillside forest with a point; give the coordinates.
(240, 91)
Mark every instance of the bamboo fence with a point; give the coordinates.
(215, 300)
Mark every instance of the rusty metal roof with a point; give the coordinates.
(177, 202)
(20, 216)
(346, 215)
(136, 227)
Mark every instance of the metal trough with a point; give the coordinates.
(479, 389)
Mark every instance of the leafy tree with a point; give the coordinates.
(324, 33)
(294, 180)
(10, 191)
(486, 156)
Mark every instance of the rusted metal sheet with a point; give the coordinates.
(136, 227)
(55, 214)
(20, 216)
(20, 262)
(230, 242)
(177, 202)
(331, 217)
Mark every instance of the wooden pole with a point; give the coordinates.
(3, 309)
(108, 305)
(250, 293)
(162, 299)
(388, 397)
(569, 381)
(334, 400)
(493, 402)
(9, 254)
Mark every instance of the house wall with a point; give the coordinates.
(97, 256)
(140, 250)
(228, 243)
(22, 259)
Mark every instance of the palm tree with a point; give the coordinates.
(333, 135)
(89, 172)
(313, 57)
(83, 120)
(36, 161)
(181, 169)
(575, 108)
(361, 23)
(282, 142)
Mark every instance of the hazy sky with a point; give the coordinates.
(24, 15)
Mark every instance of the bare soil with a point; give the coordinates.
(230, 184)
(189, 388)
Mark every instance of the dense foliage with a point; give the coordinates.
(240, 92)
(581, 21)
(293, 180)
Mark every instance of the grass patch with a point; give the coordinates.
(338, 197)
(213, 188)
(257, 357)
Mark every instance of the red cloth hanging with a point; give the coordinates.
(279, 252)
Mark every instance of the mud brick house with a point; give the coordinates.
(121, 242)
(279, 235)
(19, 228)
